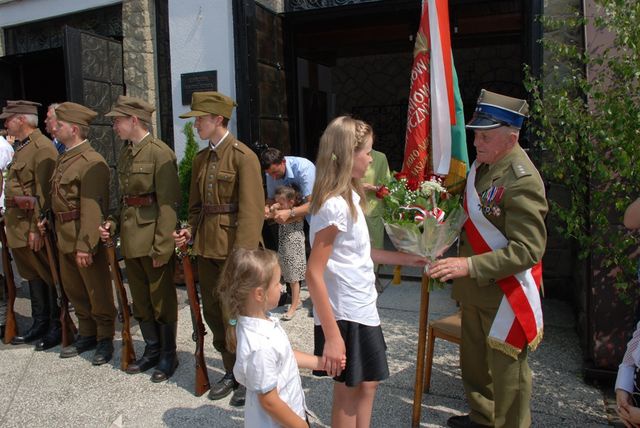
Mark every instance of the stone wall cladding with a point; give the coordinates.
(138, 50)
(275, 5)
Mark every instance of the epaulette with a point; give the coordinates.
(239, 147)
(520, 170)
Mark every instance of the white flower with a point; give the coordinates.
(428, 187)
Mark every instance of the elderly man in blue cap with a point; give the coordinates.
(498, 275)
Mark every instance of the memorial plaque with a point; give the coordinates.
(197, 82)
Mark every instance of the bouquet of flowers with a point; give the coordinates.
(421, 218)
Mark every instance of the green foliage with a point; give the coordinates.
(586, 116)
(184, 169)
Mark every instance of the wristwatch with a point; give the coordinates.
(292, 213)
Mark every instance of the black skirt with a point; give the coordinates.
(366, 353)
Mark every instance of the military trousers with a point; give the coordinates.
(152, 290)
(91, 293)
(209, 271)
(497, 386)
(32, 265)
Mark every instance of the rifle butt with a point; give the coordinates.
(128, 355)
(10, 328)
(202, 379)
(69, 329)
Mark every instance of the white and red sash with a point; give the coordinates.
(518, 322)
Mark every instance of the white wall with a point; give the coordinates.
(201, 36)
(20, 11)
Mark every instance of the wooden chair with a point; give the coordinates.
(447, 328)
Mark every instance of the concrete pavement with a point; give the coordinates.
(40, 389)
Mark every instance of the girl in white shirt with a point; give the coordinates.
(340, 274)
(265, 363)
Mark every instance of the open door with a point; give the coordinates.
(95, 79)
(263, 116)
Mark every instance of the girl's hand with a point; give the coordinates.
(334, 356)
(629, 414)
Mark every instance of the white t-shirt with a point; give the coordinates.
(349, 273)
(264, 361)
(6, 154)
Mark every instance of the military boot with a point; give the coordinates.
(168, 357)
(82, 344)
(54, 334)
(104, 352)
(39, 313)
(152, 348)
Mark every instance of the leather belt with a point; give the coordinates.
(139, 200)
(67, 216)
(25, 203)
(220, 208)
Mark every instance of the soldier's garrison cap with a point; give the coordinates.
(203, 103)
(131, 106)
(19, 107)
(495, 110)
(75, 113)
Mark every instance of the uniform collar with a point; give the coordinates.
(136, 147)
(217, 146)
(80, 148)
(496, 169)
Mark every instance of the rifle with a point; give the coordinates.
(128, 354)
(202, 378)
(69, 329)
(11, 327)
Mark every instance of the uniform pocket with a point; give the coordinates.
(141, 178)
(24, 174)
(226, 184)
(146, 215)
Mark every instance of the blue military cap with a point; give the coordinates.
(495, 110)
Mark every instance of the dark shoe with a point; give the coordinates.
(463, 421)
(151, 354)
(52, 338)
(82, 344)
(223, 387)
(39, 292)
(104, 352)
(237, 399)
(168, 357)
(1, 332)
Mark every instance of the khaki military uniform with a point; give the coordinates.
(80, 194)
(228, 180)
(148, 169)
(29, 174)
(497, 386)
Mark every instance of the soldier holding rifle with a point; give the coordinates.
(150, 191)
(27, 192)
(80, 189)
(226, 211)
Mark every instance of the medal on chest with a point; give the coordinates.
(490, 200)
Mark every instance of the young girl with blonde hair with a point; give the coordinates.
(265, 362)
(340, 274)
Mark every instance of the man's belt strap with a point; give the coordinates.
(139, 200)
(67, 216)
(220, 208)
(25, 203)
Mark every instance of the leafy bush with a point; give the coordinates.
(184, 169)
(586, 116)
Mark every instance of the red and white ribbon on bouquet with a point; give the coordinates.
(518, 322)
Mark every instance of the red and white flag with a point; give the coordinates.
(434, 102)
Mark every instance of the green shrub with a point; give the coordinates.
(184, 170)
(586, 117)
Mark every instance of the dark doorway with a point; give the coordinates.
(356, 59)
(37, 76)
